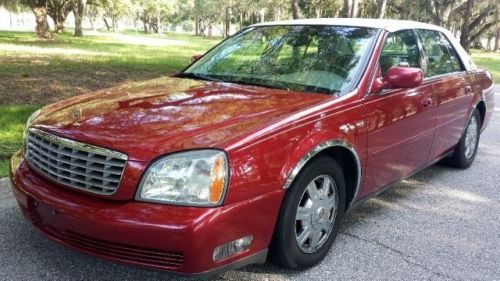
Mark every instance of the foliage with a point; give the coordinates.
(471, 18)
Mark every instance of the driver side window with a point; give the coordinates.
(400, 49)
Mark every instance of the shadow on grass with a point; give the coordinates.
(42, 72)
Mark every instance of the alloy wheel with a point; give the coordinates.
(471, 138)
(316, 214)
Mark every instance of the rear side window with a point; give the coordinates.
(440, 55)
(400, 49)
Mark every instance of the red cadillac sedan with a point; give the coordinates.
(256, 150)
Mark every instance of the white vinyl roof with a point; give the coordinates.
(386, 24)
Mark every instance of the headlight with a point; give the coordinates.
(194, 178)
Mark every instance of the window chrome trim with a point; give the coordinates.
(79, 145)
(322, 146)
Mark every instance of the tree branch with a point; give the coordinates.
(479, 18)
(482, 30)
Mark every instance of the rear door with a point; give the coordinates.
(399, 121)
(451, 93)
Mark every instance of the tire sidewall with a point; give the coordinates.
(294, 256)
(464, 161)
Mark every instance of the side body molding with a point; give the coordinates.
(322, 146)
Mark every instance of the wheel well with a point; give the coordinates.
(481, 107)
(347, 160)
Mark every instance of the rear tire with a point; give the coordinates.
(466, 149)
(303, 237)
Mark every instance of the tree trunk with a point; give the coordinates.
(354, 12)
(227, 23)
(92, 23)
(295, 9)
(78, 10)
(465, 30)
(381, 8)
(196, 27)
(59, 26)
(115, 24)
(158, 23)
(277, 13)
(347, 10)
(497, 40)
(209, 28)
(106, 23)
(488, 44)
(146, 26)
(42, 25)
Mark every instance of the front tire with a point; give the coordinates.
(466, 149)
(310, 215)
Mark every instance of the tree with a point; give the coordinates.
(321, 8)
(381, 8)
(39, 8)
(477, 19)
(295, 9)
(350, 9)
(114, 9)
(440, 10)
(78, 13)
(497, 40)
(59, 10)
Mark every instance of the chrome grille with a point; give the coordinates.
(78, 165)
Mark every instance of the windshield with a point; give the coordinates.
(323, 59)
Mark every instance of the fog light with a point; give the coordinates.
(232, 248)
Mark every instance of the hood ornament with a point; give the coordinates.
(76, 114)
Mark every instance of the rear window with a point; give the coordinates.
(441, 57)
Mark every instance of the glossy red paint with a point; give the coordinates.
(144, 226)
(265, 133)
(402, 77)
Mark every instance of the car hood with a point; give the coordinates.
(156, 117)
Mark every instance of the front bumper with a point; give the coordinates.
(172, 238)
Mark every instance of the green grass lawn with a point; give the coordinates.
(34, 73)
(12, 123)
(489, 61)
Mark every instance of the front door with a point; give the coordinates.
(399, 121)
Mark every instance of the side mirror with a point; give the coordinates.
(398, 77)
(196, 57)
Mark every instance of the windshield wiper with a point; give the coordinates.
(254, 82)
(197, 76)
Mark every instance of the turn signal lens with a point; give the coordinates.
(217, 180)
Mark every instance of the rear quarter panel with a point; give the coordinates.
(483, 87)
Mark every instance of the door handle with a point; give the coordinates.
(426, 103)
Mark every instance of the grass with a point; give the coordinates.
(34, 72)
(12, 123)
(489, 61)
(41, 72)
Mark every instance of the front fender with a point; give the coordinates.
(310, 146)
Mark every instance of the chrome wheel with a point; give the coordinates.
(471, 138)
(316, 214)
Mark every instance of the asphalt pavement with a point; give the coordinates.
(441, 224)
